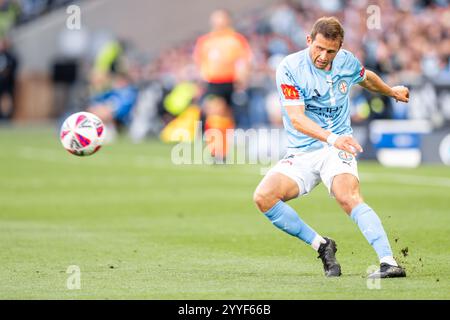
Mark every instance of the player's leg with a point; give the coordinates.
(103, 112)
(270, 197)
(1, 103)
(6, 105)
(345, 188)
(218, 119)
(106, 114)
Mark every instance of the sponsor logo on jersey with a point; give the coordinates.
(329, 112)
(290, 92)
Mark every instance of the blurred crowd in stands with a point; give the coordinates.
(413, 42)
(16, 12)
(12, 14)
(406, 42)
(410, 46)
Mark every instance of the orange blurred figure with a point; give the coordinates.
(223, 57)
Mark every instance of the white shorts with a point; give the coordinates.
(309, 168)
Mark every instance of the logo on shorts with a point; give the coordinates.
(289, 162)
(345, 157)
(343, 86)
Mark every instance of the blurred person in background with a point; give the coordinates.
(9, 11)
(8, 69)
(113, 91)
(223, 57)
(113, 101)
(276, 31)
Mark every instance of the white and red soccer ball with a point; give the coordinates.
(82, 133)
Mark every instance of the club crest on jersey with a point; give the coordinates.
(290, 92)
(343, 86)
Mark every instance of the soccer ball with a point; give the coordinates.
(82, 133)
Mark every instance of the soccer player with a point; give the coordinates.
(313, 86)
(114, 105)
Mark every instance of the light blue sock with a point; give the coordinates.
(371, 227)
(286, 219)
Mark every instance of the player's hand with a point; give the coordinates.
(400, 93)
(348, 144)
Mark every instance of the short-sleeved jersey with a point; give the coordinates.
(325, 94)
(219, 53)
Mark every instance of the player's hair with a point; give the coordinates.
(329, 27)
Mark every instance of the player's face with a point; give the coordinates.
(323, 50)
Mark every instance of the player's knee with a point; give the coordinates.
(259, 200)
(264, 201)
(349, 201)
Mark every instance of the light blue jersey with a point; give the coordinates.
(323, 93)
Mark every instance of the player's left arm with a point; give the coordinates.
(374, 83)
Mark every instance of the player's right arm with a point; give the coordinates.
(306, 126)
(291, 98)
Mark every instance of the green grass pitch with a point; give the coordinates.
(139, 227)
